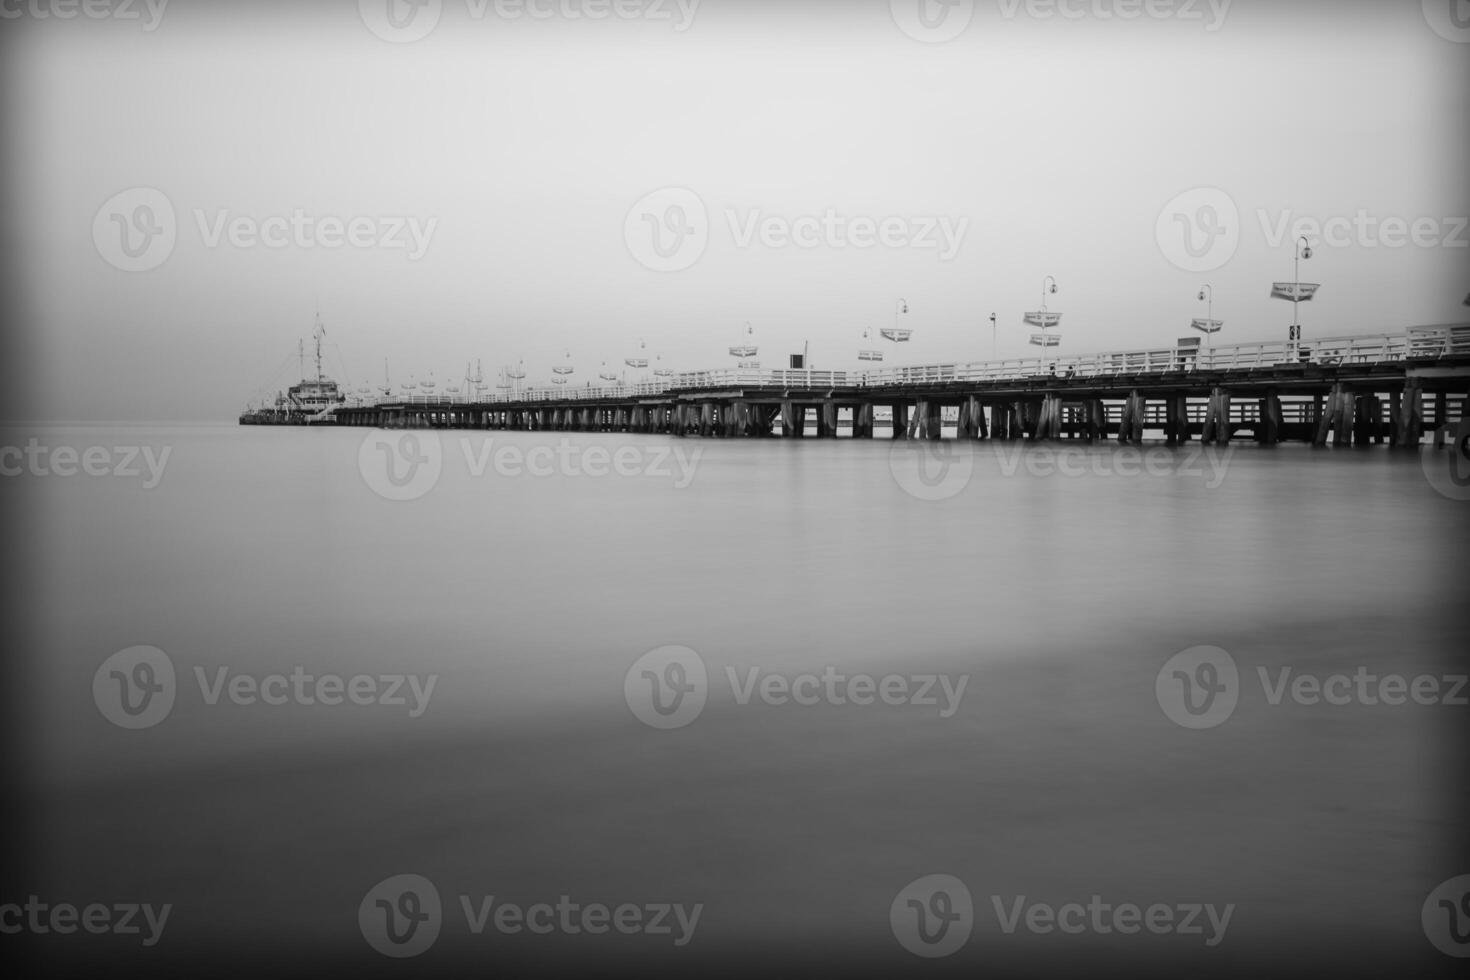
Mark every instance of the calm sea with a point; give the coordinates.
(527, 775)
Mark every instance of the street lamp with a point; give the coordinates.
(1044, 319)
(1297, 292)
(1208, 326)
(994, 344)
(898, 336)
(745, 349)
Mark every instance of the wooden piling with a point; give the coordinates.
(827, 420)
(900, 420)
(1327, 410)
(1130, 425)
(1411, 425)
(1271, 421)
(1211, 429)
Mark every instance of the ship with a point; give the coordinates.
(312, 401)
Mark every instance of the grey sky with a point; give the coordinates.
(1058, 140)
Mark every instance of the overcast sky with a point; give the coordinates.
(953, 173)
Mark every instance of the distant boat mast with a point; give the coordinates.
(318, 334)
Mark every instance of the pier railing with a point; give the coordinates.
(1416, 342)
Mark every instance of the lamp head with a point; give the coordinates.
(1307, 252)
(1201, 294)
(1053, 287)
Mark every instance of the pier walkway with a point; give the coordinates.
(1350, 390)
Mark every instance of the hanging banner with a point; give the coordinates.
(1208, 326)
(1043, 319)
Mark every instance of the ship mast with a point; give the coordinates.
(320, 331)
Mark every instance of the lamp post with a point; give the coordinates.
(1208, 326)
(1045, 319)
(994, 343)
(1298, 292)
(745, 349)
(896, 334)
(1303, 251)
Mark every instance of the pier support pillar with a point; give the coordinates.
(1211, 427)
(1328, 410)
(1049, 418)
(827, 420)
(1271, 422)
(933, 420)
(900, 418)
(1342, 418)
(1130, 427)
(1097, 424)
(1362, 430)
(1411, 422)
(972, 419)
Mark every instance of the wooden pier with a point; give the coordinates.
(1345, 392)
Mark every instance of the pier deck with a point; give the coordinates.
(1350, 391)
